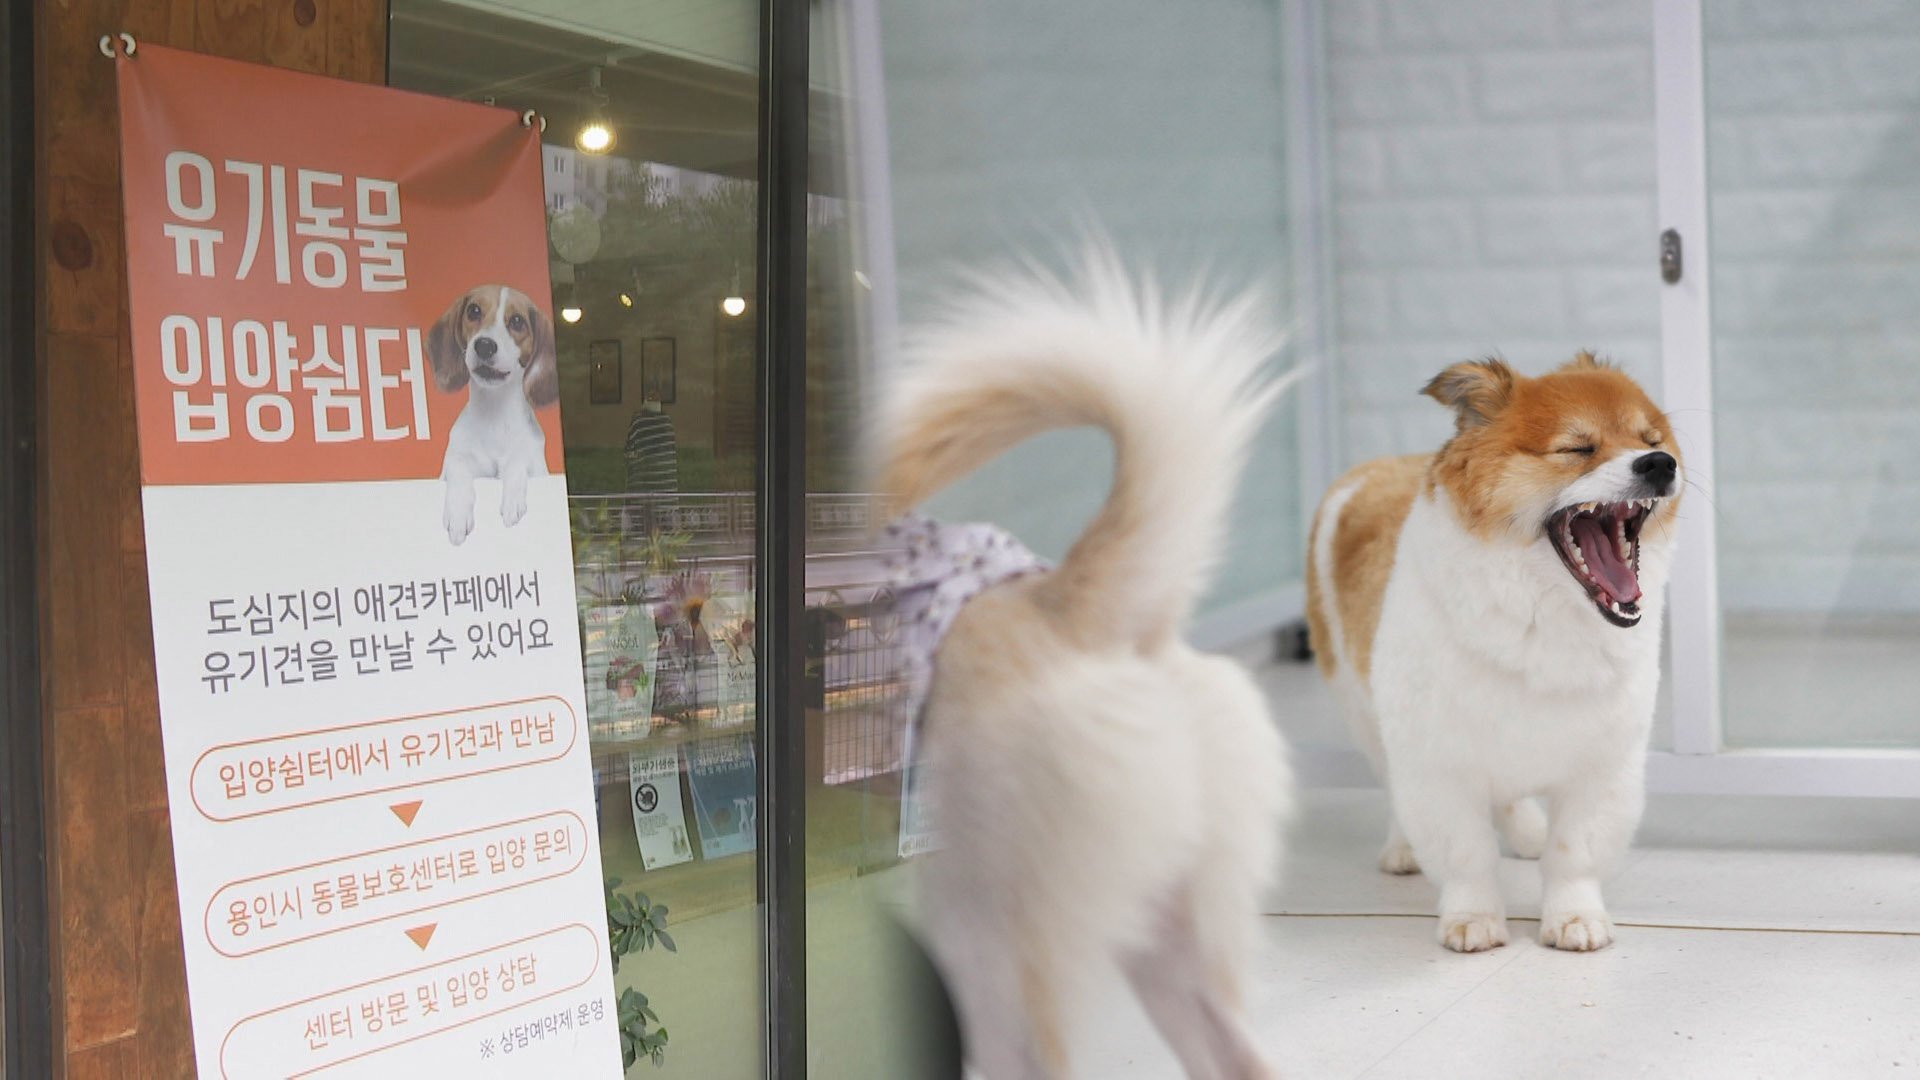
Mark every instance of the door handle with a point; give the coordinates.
(1670, 262)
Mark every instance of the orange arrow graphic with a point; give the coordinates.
(423, 934)
(405, 811)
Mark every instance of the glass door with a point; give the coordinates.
(651, 158)
(1813, 138)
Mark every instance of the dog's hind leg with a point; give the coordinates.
(1194, 998)
(1007, 996)
(1396, 855)
(1524, 823)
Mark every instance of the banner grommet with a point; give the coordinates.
(127, 44)
(531, 118)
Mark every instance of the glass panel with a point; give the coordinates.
(1813, 124)
(1011, 122)
(650, 166)
(862, 1018)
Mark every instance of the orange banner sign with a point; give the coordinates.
(310, 258)
(361, 574)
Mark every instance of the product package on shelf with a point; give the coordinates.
(659, 819)
(621, 650)
(733, 648)
(725, 794)
(705, 668)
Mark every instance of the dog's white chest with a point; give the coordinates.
(1491, 652)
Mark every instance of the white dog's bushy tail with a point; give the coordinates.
(1180, 386)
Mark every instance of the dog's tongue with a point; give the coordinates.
(1615, 575)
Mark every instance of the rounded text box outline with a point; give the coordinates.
(207, 918)
(596, 950)
(573, 736)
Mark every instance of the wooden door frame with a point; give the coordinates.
(28, 995)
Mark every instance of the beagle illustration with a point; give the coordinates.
(495, 343)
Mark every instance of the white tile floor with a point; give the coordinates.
(1758, 938)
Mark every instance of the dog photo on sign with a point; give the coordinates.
(497, 345)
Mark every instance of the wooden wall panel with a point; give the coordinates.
(99, 963)
(121, 995)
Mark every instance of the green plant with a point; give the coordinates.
(636, 924)
(662, 550)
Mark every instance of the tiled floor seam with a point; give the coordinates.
(1449, 1007)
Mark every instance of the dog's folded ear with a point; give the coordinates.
(543, 366)
(1476, 391)
(446, 352)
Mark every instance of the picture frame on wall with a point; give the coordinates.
(657, 370)
(603, 372)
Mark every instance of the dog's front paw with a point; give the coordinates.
(513, 507)
(1397, 858)
(1472, 931)
(459, 522)
(1576, 931)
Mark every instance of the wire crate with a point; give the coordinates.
(851, 671)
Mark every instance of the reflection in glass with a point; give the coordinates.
(1815, 212)
(649, 162)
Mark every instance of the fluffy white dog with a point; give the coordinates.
(1489, 617)
(1104, 793)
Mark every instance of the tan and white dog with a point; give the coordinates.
(1489, 618)
(498, 345)
(1104, 793)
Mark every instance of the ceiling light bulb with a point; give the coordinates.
(626, 300)
(571, 314)
(596, 137)
(734, 306)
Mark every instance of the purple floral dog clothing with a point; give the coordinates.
(933, 570)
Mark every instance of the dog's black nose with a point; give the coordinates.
(485, 347)
(1657, 470)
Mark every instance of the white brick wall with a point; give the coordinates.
(1493, 185)
(1493, 189)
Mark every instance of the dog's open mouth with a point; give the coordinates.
(489, 375)
(1600, 543)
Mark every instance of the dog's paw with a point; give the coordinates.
(1259, 1069)
(513, 507)
(1576, 931)
(1473, 932)
(459, 523)
(1397, 858)
(1524, 824)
